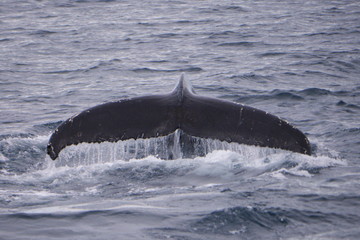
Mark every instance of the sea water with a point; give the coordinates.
(299, 60)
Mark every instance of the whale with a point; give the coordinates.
(181, 110)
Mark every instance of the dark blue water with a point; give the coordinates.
(299, 60)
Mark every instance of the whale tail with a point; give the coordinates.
(194, 115)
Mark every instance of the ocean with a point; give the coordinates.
(299, 60)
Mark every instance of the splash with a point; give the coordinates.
(173, 146)
(206, 157)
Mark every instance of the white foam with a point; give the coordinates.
(16, 140)
(3, 158)
(167, 147)
(220, 159)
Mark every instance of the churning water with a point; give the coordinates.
(299, 60)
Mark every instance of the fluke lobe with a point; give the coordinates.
(194, 115)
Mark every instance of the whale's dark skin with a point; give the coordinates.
(194, 115)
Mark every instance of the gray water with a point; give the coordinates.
(299, 60)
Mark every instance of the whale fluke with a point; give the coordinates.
(160, 115)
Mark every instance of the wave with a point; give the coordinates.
(242, 221)
(43, 33)
(341, 103)
(151, 70)
(6, 39)
(272, 54)
(297, 95)
(21, 153)
(239, 44)
(255, 222)
(110, 64)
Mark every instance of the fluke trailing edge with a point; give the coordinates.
(194, 115)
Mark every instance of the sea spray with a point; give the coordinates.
(169, 147)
